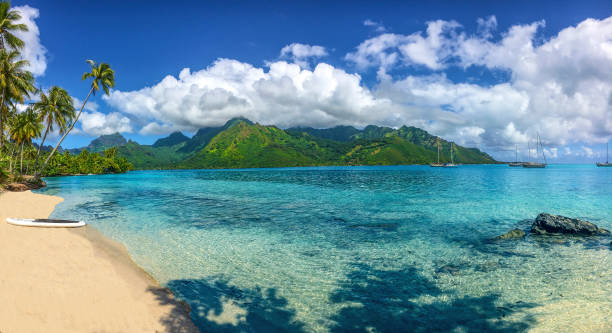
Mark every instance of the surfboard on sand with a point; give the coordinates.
(48, 223)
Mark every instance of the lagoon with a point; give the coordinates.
(397, 248)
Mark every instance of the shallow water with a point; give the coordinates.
(361, 248)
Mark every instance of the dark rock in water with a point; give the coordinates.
(512, 234)
(555, 224)
(385, 226)
(488, 266)
(448, 269)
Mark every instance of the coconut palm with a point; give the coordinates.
(9, 25)
(103, 78)
(26, 126)
(54, 108)
(16, 84)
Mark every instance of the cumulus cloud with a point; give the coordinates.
(285, 95)
(97, 123)
(302, 54)
(90, 106)
(560, 87)
(33, 50)
(429, 49)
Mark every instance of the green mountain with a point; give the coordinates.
(338, 133)
(106, 141)
(172, 140)
(243, 144)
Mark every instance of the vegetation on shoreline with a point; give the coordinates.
(23, 120)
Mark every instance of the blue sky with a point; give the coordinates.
(402, 74)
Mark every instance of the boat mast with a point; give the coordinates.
(516, 154)
(528, 151)
(606, 152)
(537, 148)
(542, 148)
(452, 160)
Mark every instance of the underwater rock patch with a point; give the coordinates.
(555, 224)
(384, 226)
(448, 269)
(512, 234)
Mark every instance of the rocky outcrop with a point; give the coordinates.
(556, 224)
(28, 183)
(512, 234)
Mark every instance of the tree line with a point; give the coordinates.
(23, 120)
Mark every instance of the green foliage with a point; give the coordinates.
(4, 175)
(149, 157)
(9, 25)
(338, 133)
(106, 141)
(16, 83)
(87, 163)
(172, 140)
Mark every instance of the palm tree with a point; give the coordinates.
(16, 84)
(26, 127)
(56, 108)
(8, 25)
(103, 77)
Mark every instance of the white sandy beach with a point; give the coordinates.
(75, 280)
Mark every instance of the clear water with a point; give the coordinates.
(372, 249)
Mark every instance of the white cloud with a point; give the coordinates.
(33, 50)
(97, 123)
(378, 27)
(560, 88)
(154, 128)
(285, 95)
(429, 50)
(301, 54)
(90, 106)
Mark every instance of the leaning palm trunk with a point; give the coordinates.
(40, 147)
(42, 168)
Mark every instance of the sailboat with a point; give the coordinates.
(537, 163)
(452, 163)
(437, 165)
(516, 163)
(607, 164)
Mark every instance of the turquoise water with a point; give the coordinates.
(376, 249)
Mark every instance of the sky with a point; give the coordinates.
(485, 74)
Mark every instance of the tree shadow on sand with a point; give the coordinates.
(220, 307)
(384, 301)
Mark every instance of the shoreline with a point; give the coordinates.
(90, 278)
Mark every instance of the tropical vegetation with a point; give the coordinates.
(243, 144)
(23, 120)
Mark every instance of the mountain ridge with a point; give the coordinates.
(240, 143)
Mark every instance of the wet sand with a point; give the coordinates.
(75, 280)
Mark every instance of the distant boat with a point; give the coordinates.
(516, 163)
(607, 164)
(537, 163)
(437, 165)
(452, 163)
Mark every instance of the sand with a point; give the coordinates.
(75, 280)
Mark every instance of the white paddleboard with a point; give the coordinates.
(48, 223)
